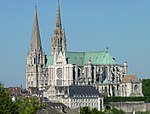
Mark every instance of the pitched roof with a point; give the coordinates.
(80, 58)
(98, 57)
(129, 78)
(83, 91)
(16, 90)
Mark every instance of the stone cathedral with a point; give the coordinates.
(53, 73)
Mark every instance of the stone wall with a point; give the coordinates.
(131, 106)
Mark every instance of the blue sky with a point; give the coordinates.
(90, 25)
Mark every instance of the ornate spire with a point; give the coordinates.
(35, 40)
(59, 39)
(58, 18)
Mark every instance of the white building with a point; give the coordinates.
(82, 96)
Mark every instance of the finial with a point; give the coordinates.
(107, 48)
(35, 4)
(58, 2)
(58, 20)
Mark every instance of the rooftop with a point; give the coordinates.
(83, 91)
(80, 58)
(129, 78)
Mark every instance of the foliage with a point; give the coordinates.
(28, 105)
(20, 106)
(87, 110)
(6, 104)
(146, 87)
(125, 99)
(147, 112)
(115, 111)
(95, 111)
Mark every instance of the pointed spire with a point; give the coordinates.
(59, 38)
(35, 40)
(58, 18)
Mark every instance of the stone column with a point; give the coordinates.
(95, 68)
(76, 73)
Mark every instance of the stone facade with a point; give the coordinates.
(62, 68)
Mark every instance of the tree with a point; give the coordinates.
(28, 105)
(95, 111)
(146, 87)
(85, 110)
(6, 104)
(20, 106)
(116, 111)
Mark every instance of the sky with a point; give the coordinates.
(90, 25)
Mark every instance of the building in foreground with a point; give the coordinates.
(64, 69)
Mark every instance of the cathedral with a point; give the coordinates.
(55, 73)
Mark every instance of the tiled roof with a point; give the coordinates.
(129, 78)
(16, 90)
(83, 91)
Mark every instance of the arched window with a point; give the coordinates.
(136, 89)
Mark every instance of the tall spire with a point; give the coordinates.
(59, 38)
(35, 40)
(58, 18)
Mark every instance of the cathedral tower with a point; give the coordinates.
(35, 57)
(59, 38)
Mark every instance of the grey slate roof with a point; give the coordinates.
(83, 91)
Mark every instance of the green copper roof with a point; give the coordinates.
(80, 58)
(50, 60)
(75, 57)
(99, 57)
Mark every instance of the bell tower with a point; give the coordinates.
(35, 57)
(59, 39)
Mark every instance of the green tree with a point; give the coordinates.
(146, 87)
(116, 111)
(6, 104)
(24, 106)
(95, 111)
(85, 110)
(28, 106)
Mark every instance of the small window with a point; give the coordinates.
(136, 89)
